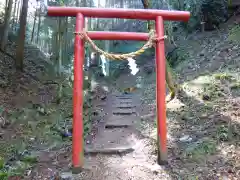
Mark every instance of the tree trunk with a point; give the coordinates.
(59, 60)
(6, 24)
(54, 47)
(98, 5)
(78, 3)
(34, 24)
(146, 5)
(84, 3)
(18, 10)
(39, 26)
(21, 36)
(90, 19)
(6, 6)
(60, 50)
(65, 51)
(14, 13)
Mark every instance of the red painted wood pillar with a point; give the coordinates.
(77, 154)
(161, 92)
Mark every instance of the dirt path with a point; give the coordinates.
(122, 151)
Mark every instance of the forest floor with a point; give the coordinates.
(203, 121)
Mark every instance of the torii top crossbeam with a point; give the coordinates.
(143, 14)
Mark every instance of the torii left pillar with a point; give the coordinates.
(159, 16)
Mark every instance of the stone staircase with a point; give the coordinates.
(117, 135)
(120, 150)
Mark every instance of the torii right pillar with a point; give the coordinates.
(161, 92)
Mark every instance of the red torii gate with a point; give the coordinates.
(159, 16)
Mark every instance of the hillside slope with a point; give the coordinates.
(30, 119)
(203, 121)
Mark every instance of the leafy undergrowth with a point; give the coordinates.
(33, 123)
(33, 130)
(206, 126)
(203, 127)
(30, 129)
(203, 121)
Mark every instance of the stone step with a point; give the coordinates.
(113, 150)
(120, 101)
(128, 105)
(125, 111)
(121, 121)
(101, 104)
(121, 95)
(122, 104)
(124, 97)
(119, 139)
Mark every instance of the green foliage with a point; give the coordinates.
(223, 76)
(17, 169)
(1, 162)
(3, 175)
(212, 12)
(234, 33)
(194, 7)
(29, 159)
(198, 151)
(177, 56)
